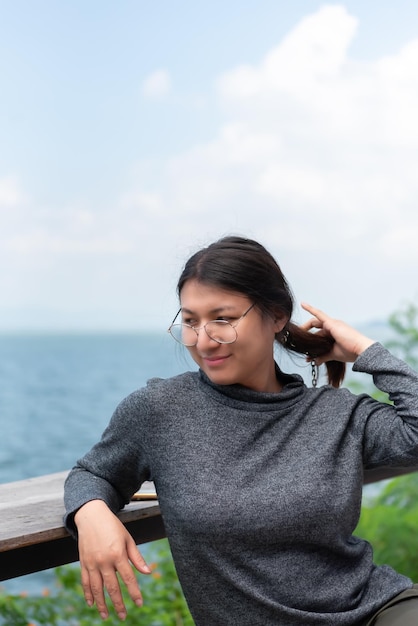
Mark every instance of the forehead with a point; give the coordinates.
(196, 295)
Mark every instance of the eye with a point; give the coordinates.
(189, 320)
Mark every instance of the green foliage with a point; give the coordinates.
(404, 323)
(403, 342)
(390, 523)
(164, 603)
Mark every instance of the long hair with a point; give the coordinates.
(245, 266)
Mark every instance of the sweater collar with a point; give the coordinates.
(293, 386)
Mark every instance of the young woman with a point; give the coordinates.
(259, 477)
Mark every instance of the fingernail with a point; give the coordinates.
(139, 602)
(103, 615)
(122, 616)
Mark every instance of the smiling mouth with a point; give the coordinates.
(215, 360)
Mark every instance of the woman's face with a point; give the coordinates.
(249, 360)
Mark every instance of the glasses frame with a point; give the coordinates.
(199, 328)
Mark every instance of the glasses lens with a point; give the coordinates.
(221, 331)
(184, 334)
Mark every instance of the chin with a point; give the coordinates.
(220, 379)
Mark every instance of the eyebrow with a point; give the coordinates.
(213, 311)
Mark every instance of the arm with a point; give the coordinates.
(95, 490)
(117, 465)
(389, 432)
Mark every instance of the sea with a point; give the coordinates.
(58, 392)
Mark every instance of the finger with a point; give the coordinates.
(129, 579)
(314, 311)
(111, 584)
(311, 323)
(136, 558)
(128, 575)
(96, 586)
(85, 583)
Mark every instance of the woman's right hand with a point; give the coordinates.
(106, 548)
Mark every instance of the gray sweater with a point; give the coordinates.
(260, 492)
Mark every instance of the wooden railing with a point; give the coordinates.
(32, 535)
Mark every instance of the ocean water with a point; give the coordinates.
(58, 392)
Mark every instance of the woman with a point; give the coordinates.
(259, 478)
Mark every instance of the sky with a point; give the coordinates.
(134, 133)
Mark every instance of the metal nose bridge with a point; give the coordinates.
(197, 329)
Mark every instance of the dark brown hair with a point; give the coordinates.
(245, 266)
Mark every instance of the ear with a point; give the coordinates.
(280, 322)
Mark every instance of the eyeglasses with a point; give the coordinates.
(220, 331)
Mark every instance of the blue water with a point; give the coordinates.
(57, 393)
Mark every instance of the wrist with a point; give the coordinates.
(364, 344)
(90, 509)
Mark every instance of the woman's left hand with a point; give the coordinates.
(349, 343)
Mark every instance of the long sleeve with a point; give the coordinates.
(115, 467)
(391, 430)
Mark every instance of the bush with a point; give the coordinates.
(164, 603)
(389, 523)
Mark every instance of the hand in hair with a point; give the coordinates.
(348, 342)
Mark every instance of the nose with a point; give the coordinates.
(204, 341)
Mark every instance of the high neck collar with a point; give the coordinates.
(293, 386)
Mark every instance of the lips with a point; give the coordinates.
(214, 361)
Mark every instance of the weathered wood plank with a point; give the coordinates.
(41, 556)
(31, 511)
(32, 535)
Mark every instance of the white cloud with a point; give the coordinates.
(315, 49)
(157, 85)
(316, 156)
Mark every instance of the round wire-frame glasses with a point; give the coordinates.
(220, 331)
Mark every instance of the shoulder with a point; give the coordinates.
(161, 388)
(157, 394)
(185, 381)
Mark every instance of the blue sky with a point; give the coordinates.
(132, 133)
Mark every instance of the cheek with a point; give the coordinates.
(264, 334)
(262, 345)
(193, 354)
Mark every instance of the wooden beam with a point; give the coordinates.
(384, 473)
(40, 556)
(32, 534)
